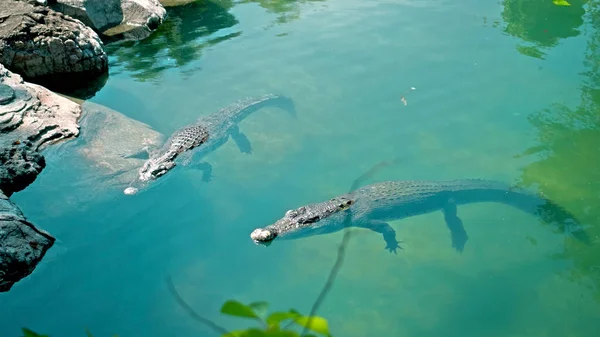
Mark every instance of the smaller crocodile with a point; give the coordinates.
(372, 206)
(208, 133)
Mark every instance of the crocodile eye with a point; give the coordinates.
(345, 205)
(291, 214)
(308, 220)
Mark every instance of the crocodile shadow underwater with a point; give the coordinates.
(373, 206)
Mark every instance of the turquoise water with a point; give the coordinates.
(492, 82)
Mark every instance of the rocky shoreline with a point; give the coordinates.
(38, 42)
(42, 43)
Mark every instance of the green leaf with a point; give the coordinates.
(235, 308)
(280, 316)
(286, 333)
(260, 308)
(317, 324)
(561, 3)
(252, 332)
(88, 333)
(29, 333)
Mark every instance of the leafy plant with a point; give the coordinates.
(271, 324)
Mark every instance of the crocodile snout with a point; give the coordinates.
(153, 170)
(130, 190)
(260, 235)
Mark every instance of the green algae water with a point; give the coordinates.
(503, 90)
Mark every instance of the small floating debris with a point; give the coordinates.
(403, 98)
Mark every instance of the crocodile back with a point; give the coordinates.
(188, 138)
(394, 190)
(393, 199)
(239, 110)
(182, 140)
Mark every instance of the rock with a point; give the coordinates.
(113, 144)
(7, 94)
(22, 245)
(31, 113)
(39, 43)
(119, 19)
(19, 166)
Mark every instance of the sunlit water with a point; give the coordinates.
(483, 73)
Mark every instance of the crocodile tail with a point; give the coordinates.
(243, 108)
(549, 211)
(555, 214)
(525, 200)
(286, 103)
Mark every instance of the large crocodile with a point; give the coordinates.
(372, 206)
(208, 133)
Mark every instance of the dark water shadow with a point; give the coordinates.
(81, 86)
(541, 24)
(180, 40)
(564, 158)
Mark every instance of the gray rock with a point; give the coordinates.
(7, 94)
(37, 42)
(121, 19)
(22, 245)
(34, 114)
(19, 166)
(31, 117)
(113, 144)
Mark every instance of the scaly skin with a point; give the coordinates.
(163, 160)
(372, 206)
(208, 133)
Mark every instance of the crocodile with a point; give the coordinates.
(373, 206)
(208, 133)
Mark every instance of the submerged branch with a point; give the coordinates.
(215, 327)
(330, 280)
